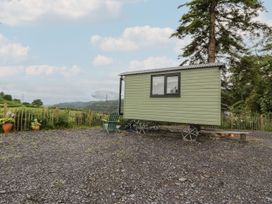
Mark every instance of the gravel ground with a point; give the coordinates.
(89, 166)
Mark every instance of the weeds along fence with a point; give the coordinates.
(53, 118)
(56, 118)
(247, 121)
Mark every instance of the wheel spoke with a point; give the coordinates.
(190, 133)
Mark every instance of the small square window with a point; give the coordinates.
(158, 85)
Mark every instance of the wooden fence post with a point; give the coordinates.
(57, 114)
(231, 120)
(90, 118)
(262, 122)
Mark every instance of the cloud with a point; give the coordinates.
(11, 51)
(153, 62)
(14, 12)
(38, 70)
(6, 71)
(134, 38)
(101, 60)
(181, 43)
(54, 90)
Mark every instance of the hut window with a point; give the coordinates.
(172, 84)
(157, 85)
(165, 85)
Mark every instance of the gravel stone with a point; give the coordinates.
(90, 166)
(182, 179)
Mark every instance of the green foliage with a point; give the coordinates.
(232, 17)
(73, 105)
(250, 85)
(7, 97)
(7, 117)
(247, 121)
(37, 102)
(6, 120)
(267, 47)
(266, 103)
(62, 121)
(17, 100)
(104, 106)
(24, 118)
(1, 100)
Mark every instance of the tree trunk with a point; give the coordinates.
(212, 39)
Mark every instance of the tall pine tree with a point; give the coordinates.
(267, 44)
(217, 28)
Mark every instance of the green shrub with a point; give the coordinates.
(62, 121)
(7, 97)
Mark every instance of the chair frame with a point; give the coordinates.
(110, 125)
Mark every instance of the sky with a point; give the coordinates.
(68, 50)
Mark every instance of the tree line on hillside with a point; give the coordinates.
(227, 31)
(8, 99)
(97, 106)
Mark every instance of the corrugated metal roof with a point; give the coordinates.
(197, 66)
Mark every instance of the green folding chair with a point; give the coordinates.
(111, 125)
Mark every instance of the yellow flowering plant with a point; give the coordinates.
(35, 125)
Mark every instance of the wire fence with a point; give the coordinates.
(57, 118)
(247, 121)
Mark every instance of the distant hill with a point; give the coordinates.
(98, 106)
(74, 105)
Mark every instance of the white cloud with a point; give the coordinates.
(153, 62)
(11, 51)
(134, 38)
(38, 70)
(181, 43)
(14, 12)
(54, 90)
(101, 60)
(6, 71)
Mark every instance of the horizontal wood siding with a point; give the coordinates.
(200, 101)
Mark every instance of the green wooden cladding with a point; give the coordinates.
(199, 103)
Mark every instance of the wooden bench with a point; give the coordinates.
(226, 133)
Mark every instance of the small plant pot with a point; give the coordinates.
(7, 127)
(36, 128)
